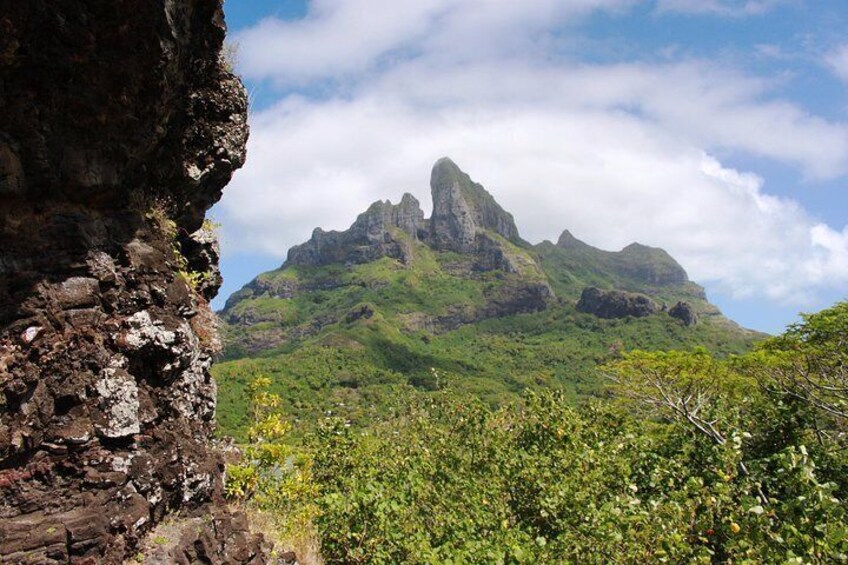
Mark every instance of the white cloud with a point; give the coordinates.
(615, 153)
(731, 8)
(609, 176)
(341, 37)
(714, 107)
(837, 61)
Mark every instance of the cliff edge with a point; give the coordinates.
(121, 126)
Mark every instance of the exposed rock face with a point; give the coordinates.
(649, 266)
(684, 312)
(461, 208)
(202, 255)
(466, 220)
(372, 235)
(120, 128)
(207, 536)
(568, 241)
(616, 303)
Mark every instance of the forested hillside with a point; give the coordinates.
(688, 458)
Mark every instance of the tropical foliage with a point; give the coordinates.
(688, 458)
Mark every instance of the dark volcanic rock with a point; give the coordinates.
(373, 235)
(120, 129)
(461, 208)
(616, 303)
(208, 536)
(684, 312)
(364, 312)
(202, 255)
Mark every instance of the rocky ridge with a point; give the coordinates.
(374, 234)
(468, 304)
(466, 220)
(121, 127)
(640, 264)
(462, 209)
(469, 237)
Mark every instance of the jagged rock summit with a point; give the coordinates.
(466, 221)
(463, 213)
(462, 209)
(375, 233)
(470, 248)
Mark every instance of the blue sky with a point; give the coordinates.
(716, 129)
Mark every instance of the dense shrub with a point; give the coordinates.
(698, 460)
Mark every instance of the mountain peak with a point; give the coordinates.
(372, 235)
(445, 165)
(461, 208)
(651, 265)
(568, 241)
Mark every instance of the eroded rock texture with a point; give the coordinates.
(373, 235)
(616, 303)
(684, 312)
(120, 128)
(461, 208)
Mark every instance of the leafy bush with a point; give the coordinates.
(271, 475)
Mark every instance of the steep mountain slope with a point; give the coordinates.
(460, 297)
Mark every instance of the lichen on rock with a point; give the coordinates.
(119, 403)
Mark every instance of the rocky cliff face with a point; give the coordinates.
(616, 304)
(465, 264)
(648, 266)
(465, 219)
(462, 209)
(374, 234)
(469, 239)
(684, 312)
(120, 128)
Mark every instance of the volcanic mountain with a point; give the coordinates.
(400, 299)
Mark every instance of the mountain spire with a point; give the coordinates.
(461, 207)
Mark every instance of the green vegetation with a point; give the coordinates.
(399, 403)
(347, 339)
(272, 475)
(687, 458)
(158, 215)
(355, 371)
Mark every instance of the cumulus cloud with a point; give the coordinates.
(614, 153)
(340, 37)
